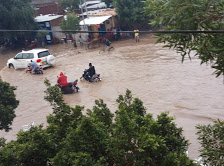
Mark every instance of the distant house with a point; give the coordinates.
(50, 22)
(101, 5)
(46, 7)
(50, 8)
(92, 7)
(101, 22)
(89, 3)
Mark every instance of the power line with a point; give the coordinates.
(150, 32)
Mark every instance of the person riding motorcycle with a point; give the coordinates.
(107, 43)
(33, 66)
(89, 72)
(66, 88)
(62, 80)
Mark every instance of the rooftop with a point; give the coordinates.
(36, 50)
(48, 17)
(89, 3)
(94, 20)
(107, 12)
(93, 12)
(99, 5)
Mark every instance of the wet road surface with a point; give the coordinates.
(154, 74)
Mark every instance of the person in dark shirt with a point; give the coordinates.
(89, 72)
(107, 43)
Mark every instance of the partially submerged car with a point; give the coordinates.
(41, 56)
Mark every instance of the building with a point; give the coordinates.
(46, 7)
(51, 23)
(101, 21)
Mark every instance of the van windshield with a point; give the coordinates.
(43, 54)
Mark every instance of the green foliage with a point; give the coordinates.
(99, 138)
(191, 15)
(71, 23)
(41, 34)
(2, 142)
(15, 15)
(31, 148)
(8, 103)
(70, 5)
(130, 11)
(211, 138)
(108, 2)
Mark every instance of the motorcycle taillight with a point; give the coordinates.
(98, 75)
(75, 83)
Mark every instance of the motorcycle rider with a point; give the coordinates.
(62, 80)
(33, 66)
(64, 85)
(89, 72)
(107, 43)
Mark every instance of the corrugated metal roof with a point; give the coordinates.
(99, 5)
(94, 20)
(107, 12)
(88, 3)
(48, 17)
(93, 12)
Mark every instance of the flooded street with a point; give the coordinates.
(154, 74)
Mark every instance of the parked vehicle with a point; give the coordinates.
(37, 71)
(33, 44)
(41, 56)
(69, 89)
(94, 78)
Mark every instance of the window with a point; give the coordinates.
(28, 56)
(48, 37)
(43, 54)
(19, 56)
(47, 24)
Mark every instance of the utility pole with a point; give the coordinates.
(85, 27)
(86, 9)
(83, 18)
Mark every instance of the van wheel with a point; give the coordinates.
(11, 65)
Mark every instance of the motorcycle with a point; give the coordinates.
(94, 78)
(71, 88)
(37, 71)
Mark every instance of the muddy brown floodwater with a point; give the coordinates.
(153, 73)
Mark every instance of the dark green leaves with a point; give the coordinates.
(211, 138)
(191, 15)
(98, 138)
(131, 12)
(71, 23)
(8, 103)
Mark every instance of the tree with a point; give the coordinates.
(70, 23)
(15, 15)
(40, 36)
(191, 15)
(99, 138)
(130, 11)
(108, 2)
(70, 5)
(8, 103)
(211, 138)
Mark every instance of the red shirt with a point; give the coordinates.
(63, 80)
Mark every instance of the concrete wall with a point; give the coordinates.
(58, 35)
